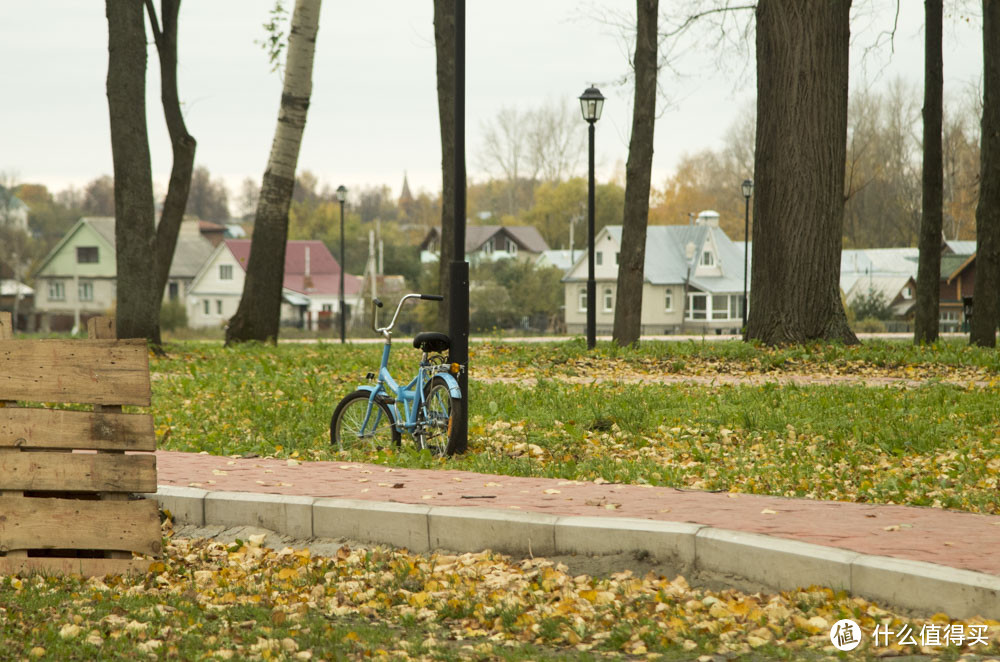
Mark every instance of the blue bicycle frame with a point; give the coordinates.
(412, 395)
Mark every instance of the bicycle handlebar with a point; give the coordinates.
(376, 304)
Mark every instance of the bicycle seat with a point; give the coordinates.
(432, 341)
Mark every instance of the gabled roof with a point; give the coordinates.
(953, 265)
(190, 253)
(667, 262)
(527, 237)
(104, 226)
(959, 247)
(886, 287)
(324, 270)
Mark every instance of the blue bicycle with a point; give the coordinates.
(371, 418)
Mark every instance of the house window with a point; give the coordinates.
(609, 300)
(697, 307)
(616, 258)
(735, 306)
(511, 247)
(720, 307)
(225, 272)
(668, 302)
(86, 290)
(599, 258)
(207, 306)
(327, 307)
(488, 247)
(86, 254)
(907, 292)
(218, 306)
(173, 291)
(707, 258)
(57, 290)
(583, 299)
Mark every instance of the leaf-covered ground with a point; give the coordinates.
(241, 601)
(934, 440)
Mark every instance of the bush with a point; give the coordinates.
(173, 315)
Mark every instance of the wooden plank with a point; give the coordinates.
(35, 523)
(104, 328)
(7, 333)
(84, 567)
(26, 427)
(78, 472)
(113, 372)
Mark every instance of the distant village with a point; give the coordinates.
(694, 278)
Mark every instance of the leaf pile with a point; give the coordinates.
(209, 600)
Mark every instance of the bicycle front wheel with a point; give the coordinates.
(356, 426)
(442, 410)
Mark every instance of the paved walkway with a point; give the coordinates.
(956, 539)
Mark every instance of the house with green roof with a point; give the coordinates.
(78, 278)
(693, 280)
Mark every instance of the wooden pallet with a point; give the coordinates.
(65, 477)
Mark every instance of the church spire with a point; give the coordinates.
(405, 197)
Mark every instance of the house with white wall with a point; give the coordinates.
(310, 289)
(693, 280)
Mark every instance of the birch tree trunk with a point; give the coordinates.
(925, 326)
(628, 307)
(986, 298)
(258, 315)
(444, 41)
(138, 307)
(799, 164)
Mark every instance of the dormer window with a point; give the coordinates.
(511, 247)
(488, 247)
(707, 258)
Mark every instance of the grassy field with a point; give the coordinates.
(910, 425)
(239, 601)
(926, 433)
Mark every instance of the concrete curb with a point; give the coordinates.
(777, 563)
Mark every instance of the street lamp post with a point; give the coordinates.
(342, 196)
(747, 192)
(591, 104)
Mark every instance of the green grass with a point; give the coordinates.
(936, 444)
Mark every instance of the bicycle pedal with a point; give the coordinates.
(370, 376)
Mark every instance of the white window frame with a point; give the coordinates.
(707, 258)
(85, 290)
(207, 306)
(488, 247)
(668, 301)
(716, 300)
(218, 306)
(599, 258)
(690, 315)
(57, 290)
(609, 300)
(511, 247)
(225, 272)
(582, 300)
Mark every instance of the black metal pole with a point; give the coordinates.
(458, 269)
(746, 257)
(591, 284)
(343, 322)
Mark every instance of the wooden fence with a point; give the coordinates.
(65, 476)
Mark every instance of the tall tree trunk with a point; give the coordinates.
(986, 304)
(444, 41)
(628, 307)
(929, 269)
(799, 162)
(137, 307)
(182, 143)
(258, 315)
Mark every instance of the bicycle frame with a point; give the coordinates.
(412, 394)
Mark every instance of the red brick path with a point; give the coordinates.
(956, 539)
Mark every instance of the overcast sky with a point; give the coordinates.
(374, 105)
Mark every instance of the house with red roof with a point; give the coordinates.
(310, 295)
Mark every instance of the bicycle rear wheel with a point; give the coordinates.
(442, 410)
(350, 430)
